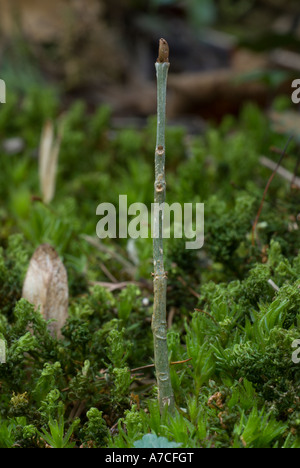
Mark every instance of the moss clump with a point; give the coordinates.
(241, 387)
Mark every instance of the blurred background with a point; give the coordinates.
(222, 53)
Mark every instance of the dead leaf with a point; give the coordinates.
(48, 158)
(46, 286)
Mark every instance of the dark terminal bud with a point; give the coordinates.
(163, 51)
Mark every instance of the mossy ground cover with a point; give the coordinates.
(239, 386)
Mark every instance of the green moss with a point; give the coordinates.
(241, 387)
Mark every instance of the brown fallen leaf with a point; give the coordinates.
(46, 286)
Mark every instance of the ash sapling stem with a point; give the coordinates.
(159, 322)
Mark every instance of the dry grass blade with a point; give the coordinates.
(116, 286)
(284, 173)
(48, 159)
(267, 188)
(128, 266)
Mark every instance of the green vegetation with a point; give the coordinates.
(240, 388)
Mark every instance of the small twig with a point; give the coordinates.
(267, 188)
(181, 362)
(171, 316)
(284, 173)
(114, 286)
(293, 184)
(78, 407)
(112, 429)
(208, 314)
(273, 285)
(142, 368)
(107, 273)
(65, 389)
(102, 248)
(191, 290)
(150, 366)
